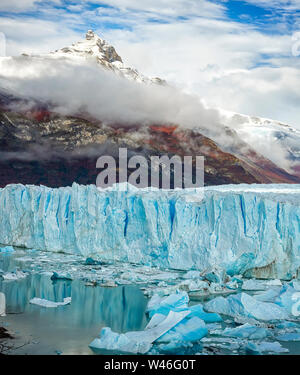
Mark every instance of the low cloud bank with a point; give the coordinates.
(72, 86)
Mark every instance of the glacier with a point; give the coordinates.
(252, 230)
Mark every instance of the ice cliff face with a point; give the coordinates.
(248, 229)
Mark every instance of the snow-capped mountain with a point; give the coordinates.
(41, 142)
(277, 141)
(97, 49)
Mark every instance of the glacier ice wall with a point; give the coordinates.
(249, 229)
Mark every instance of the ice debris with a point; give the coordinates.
(243, 304)
(247, 331)
(92, 262)
(271, 347)
(253, 284)
(171, 321)
(61, 276)
(136, 342)
(162, 305)
(293, 336)
(50, 304)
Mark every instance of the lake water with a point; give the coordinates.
(67, 329)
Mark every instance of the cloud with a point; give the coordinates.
(194, 45)
(31, 35)
(282, 5)
(21, 5)
(202, 8)
(75, 86)
(72, 86)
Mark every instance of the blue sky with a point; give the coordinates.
(238, 55)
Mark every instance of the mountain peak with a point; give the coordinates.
(93, 47)
(90, 35)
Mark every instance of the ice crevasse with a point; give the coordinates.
(244, 229)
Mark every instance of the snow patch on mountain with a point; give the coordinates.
(278, 142)
(97, 49)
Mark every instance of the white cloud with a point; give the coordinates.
(193, 8)
(231, 65)
(20, 5)
(30, 35)
(72, 85)
(221, 61)
(290, 5)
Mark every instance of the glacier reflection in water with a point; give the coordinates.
(69, 328)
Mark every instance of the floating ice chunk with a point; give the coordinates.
(272, 347)
(287, 298)
(197, 310)
(13, 276)
(219, 305)
(294, 336)
(61, 276)
(232, 284)
(252, 349)
(212, 277)
(176, 302)
(2, 304)
(7, 250)
(296, 285)
(243, 304)
(269, 295)
(193, 285)
(262, 310)
(254, 284)
(285, 325)
(155, 320)
(191, 329)
(137, 342)
(92, 262)
(192, 275)
(247, 331)
(51, 304)
(245, 319)
(113, 341)
(179, 348)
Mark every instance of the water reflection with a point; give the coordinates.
(121, 308)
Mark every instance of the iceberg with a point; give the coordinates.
(148, 226)
(172, 321)
(269, 295)
(272, 347)
(50, 304)
(197, 310)
(190, 329)
(162, 305)
(293, 336)
(253, 284)
(244, 305)
(288, 298)
(139, 341)
(61, 276)
(247, 331)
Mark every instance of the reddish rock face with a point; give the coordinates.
(40, 147)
